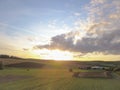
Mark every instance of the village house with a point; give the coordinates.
(84, 67)
(97, 67)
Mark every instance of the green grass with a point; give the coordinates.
(55, 79)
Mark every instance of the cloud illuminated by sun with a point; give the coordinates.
(54, 54)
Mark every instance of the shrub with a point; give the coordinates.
(1, 65)
(76, 74)
(70, 70)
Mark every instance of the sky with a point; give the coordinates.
(61, 29)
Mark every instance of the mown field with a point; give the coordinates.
(52, 79)
(27, 74)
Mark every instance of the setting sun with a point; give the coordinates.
(55, 54)
(61, 55)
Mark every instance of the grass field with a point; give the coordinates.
(54, 79)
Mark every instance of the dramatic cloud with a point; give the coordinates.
(100, 32)
(108, 43)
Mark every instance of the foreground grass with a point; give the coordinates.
(55, 79)
(118, 73)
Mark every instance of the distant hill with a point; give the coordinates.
(8, 56)
(13, 61)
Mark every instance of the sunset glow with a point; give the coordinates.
(54, 54)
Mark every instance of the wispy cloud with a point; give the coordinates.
(77, 14)
(8, 28)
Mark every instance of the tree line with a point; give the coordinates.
(8, 56)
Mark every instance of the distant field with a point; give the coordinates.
(58, 64)
(45, 63)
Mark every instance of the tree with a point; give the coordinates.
(4, 56)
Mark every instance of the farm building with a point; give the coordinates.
(97, 67)
(84, 67)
